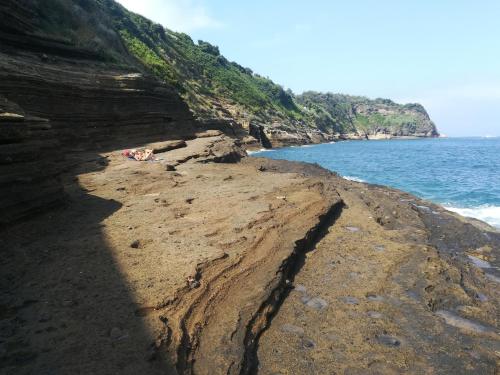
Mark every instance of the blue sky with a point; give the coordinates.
(444, 54)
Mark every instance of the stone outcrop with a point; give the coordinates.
(57, 99)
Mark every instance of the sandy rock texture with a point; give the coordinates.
(255, 266)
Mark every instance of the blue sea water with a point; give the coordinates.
(462, 174)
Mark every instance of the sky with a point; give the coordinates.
(444, 54)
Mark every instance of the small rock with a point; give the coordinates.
(352, 229)
(262, 168)
(388, 340)
(374, 297)
(317, 303)
(290, 328)
(305, 298)
(308, 343)
(189, 200)
(374, 314)
(300, 288)
(332, 337)
(170, 167)
(481, 297)
(350, 300)
(135, 244)
(379, 247)
(423, 208)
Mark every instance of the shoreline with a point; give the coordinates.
(482, 212)
(254, 149)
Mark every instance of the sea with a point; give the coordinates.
(461, 174)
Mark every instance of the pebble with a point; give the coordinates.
(300, 288)
(332, 337)
(308, 343)
(374, 298)
(317, 303)
(305, 298)
(374, 314)
(352, 229)
(423, 208)
(135, 244)
(290, 328)
(481, 297)
(379, 247)
(169, 167)
(457, 321)
(350, 300)
(388, 340)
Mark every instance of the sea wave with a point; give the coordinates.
(352, 178)
(487, 213)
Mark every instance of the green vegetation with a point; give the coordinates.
(212, 86)
(359, 114)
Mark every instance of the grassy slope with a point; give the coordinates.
(213, 86)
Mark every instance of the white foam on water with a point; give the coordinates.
(352, 178)
(488, 214)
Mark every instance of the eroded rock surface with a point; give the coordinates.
(244, 268)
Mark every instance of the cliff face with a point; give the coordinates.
(358, 116)
(58, 96)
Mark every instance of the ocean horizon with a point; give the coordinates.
(460, 173)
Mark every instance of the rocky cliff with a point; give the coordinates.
(360, 117)
(59, 96)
